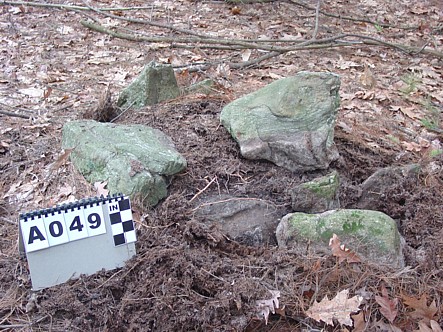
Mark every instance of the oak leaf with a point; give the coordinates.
(422, 327)
(264, 307)
(339, 308)
(388, 307)
(421, 309)
(359, 322)
(100, 188)
(342, 252)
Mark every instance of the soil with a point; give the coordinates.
(187, 275)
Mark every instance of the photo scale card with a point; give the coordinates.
(83, 237)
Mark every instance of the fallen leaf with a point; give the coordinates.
(435, 327)
(339, 308)
(100, 187)
(61, 160)
(32, 92)
(387, 327)
(264, 307)
(236, 10)
(388, 307)
(422, 327)
(342, 252)
(359, 322)
(367, 79)
(421, 309)
(245, 55)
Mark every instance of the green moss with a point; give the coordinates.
(324, 187)
(352, 227)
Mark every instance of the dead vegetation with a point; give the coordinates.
(187, 275)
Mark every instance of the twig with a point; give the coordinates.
(159, 25)
(68, 7)
(317, 14)
(349, 18)
(14, 114)
(123, 112)
(213, 275)
(201, 191)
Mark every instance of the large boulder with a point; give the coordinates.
(156, 83)
(289, 122)
(371, 234)
(246, 220)
(134, 159)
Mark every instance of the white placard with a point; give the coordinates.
(95, 220)
(34, 233)
(55, 228)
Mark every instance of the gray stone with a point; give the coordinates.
(290, 122)
(246, 220)
(371, 234)
(134, 159)
(156, 83)
(206, 87)
(375, 189)
(318, 195)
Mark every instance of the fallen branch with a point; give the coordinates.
(14, 114)
(349, 18)
(68, 7)
(214, 43)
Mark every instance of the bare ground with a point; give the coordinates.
(188, 276)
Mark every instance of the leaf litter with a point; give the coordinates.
(187, 275)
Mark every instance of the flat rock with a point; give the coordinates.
(156, 83)
(289, 122)
(246, 220)
(318, 195)
(134, 159)
(371, 234)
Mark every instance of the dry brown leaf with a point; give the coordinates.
(264, 307)
(421, 309)
(339, 308)
(423, 327)
(367, 79)
(236, 10)
(61, 160)
(359, 322)
(388, 307)
(100, 187)
(387, 327)
(342, 252)
(435, 327)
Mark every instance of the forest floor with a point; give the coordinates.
(186, 275)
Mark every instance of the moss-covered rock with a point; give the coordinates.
(371, 234)
(134, 159)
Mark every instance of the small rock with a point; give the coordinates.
(318, 195)
(375, 188)
(156, 83)
(249, 221)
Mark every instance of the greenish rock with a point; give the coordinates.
(318, 195)
(156, 83)
(371, 234)
(289, 122)
(134, 159)
(206, 87)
